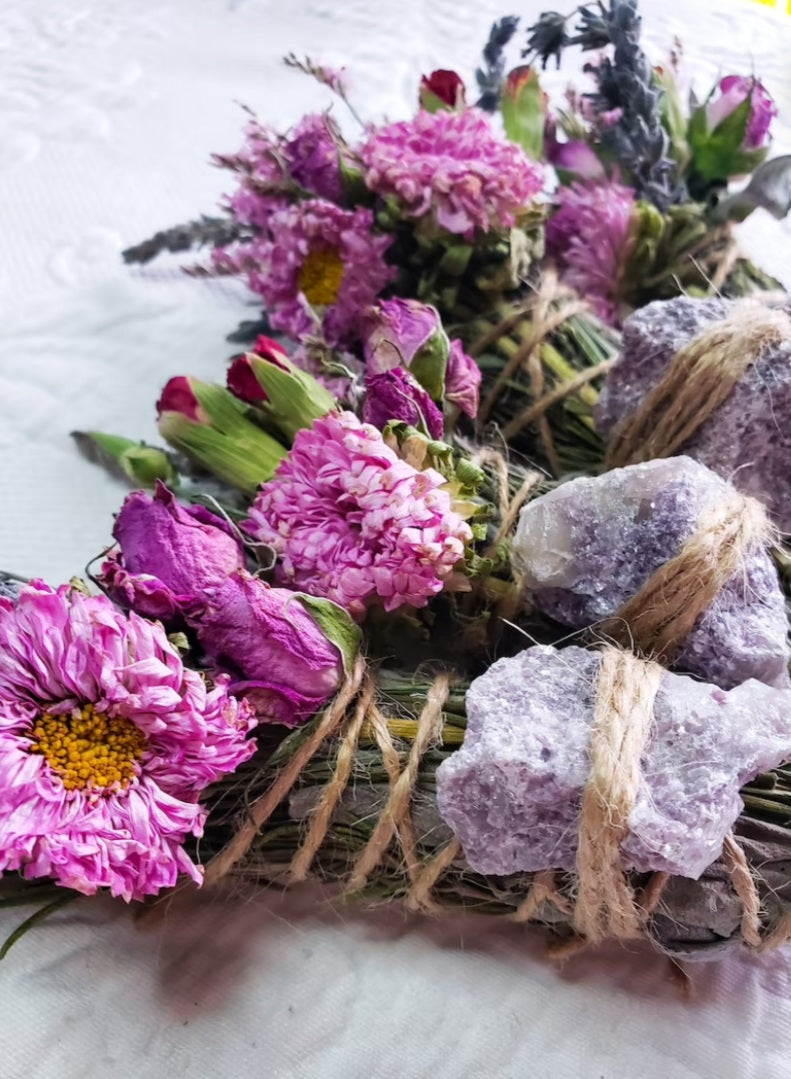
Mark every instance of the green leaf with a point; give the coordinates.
(336, 625)
(295, 398)
(429, 102)
(718, 154)
(430, 364)
(523, 106)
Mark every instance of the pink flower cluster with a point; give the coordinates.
(270, 163)
(453, 166)
(106, 742)
(352, 522)
(590, 237)
(316, 267)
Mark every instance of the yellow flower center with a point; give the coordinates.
(321, 276)
(88, 748)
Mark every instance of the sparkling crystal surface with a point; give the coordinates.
(590, 544)
(512, 793)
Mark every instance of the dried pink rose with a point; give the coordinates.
(167, 554)
(734, 91)
(409, 334)
(278, 654)
(396, 331)
(462, 380)
(353, 522)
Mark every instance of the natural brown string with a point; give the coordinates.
(625, 691)
(658, 618)
(698, 380)
(262, 809)
(552, 305)
(331, 795)
(744, 885)
(542, 890)
(507, 506)
(393, 816)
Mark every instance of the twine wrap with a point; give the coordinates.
(658, 618)
(600, 902)
(546, 311)
(699, 378)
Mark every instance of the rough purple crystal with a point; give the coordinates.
(512, 793)
(589, 545)
(747, 439)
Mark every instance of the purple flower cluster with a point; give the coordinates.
(590, 237)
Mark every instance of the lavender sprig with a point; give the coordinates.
(625, 87)
(211, 231)
(490, 77)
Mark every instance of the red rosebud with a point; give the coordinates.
(271, 350)
(446, 86)
(242, 383)
(178, 396)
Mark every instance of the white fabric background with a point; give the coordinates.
(108, 111)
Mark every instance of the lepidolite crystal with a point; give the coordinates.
(589, 545)
(512, 793)
(748, 438)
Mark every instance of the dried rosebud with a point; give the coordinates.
(241, 380)
(463, 380)
(729, 135)
(290, 397)
(734, 91)
(442, 89)
(210, 426)
(167, 554)
(242, 383)
(396, 395)
(409, 334)
(287, 652)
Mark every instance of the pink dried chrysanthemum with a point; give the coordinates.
(452, 165)
(351, 521)
(106, 742)
(316, 268)
(590, 237)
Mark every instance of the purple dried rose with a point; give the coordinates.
(286, 652)
(396, 395)
(734, 91)
(397, 331)
(409, 334)
(167, 554)
(462, 380)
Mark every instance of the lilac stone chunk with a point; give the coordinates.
(589, 545)
(748, 439)
(512, 793)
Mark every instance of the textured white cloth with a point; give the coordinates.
(108, 111)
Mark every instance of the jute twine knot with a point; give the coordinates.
(699, 378)
(551, 305)
(659, 617)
